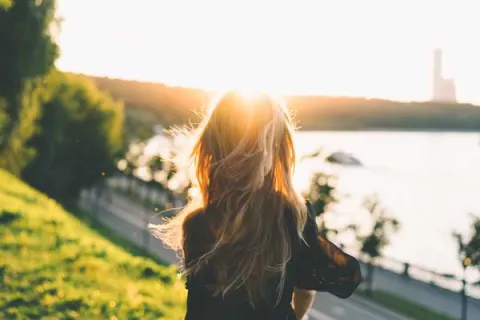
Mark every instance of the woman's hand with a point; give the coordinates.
(302, 302)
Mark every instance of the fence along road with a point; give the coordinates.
(130, 220)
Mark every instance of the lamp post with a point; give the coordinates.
(466, 262)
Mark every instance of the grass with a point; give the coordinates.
(403, 306)
(53, 266)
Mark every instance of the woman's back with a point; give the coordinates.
(202, 304)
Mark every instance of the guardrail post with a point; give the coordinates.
(406, 268)
(146, 234)
(464, 299)
(98, 195)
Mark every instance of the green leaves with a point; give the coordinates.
(469, 246)
(80, 137)
(28, 53)
(322, 192)
(383, 226)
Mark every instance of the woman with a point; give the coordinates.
(250, 242)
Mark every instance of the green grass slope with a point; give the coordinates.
(53, 266)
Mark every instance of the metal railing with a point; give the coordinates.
(126, 220)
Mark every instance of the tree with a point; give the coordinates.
(472, 247)
(79, 141)
(138, 126)
(321, 194)
(155, 166)
(132, 161)
(469, 256)
(163, 171)
(27, 55)
(375, 240)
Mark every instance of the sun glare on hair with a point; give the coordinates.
(249, 93)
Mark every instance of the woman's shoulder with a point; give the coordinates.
(310, 211)
(197, 234)
(193, 227)
(200, 224)
(194, 219)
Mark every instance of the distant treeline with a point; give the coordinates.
(177, 105)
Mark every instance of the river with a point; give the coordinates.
(429, 181)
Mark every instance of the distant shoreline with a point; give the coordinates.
(412, 130)
(151, 102)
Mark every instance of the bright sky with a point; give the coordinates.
(373, 48)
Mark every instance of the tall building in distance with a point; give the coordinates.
(443, 88)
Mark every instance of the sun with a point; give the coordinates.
(251, 89)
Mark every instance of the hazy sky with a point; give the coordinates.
(379, 48)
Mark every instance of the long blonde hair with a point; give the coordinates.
(243, 159)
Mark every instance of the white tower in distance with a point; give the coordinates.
(443, 89)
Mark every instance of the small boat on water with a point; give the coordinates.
(343, 158)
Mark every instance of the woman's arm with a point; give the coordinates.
(322, 266)
(302, 302)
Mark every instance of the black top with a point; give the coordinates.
(320, 266)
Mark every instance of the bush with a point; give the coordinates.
(79, 140)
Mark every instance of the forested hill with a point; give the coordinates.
(178, 105)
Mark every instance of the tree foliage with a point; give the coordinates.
(27, 55)
(132, 158)
(469, 247)
(170, 105)
(378, 237)
(80, 138)
(321, 195)
(322, 192)
(138, 126)
(383, 226)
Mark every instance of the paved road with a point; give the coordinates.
(130, 220)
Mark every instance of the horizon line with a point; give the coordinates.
(285, 94)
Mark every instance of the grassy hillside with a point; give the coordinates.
(52, 266)
(176, 105)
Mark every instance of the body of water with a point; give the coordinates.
(429, 181)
